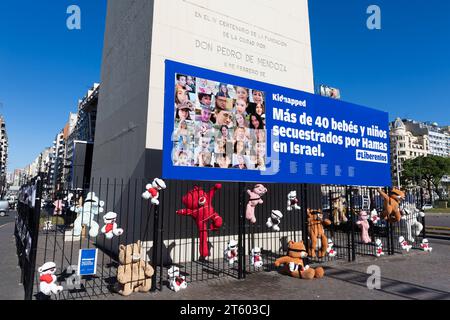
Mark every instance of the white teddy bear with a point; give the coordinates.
(425, 245)
(274, 220)
(292, 202)
(87, 214)
(374, 216)
(330, 250)
(404, 244)
(176, 282)
(152, 190)
(410, 215)
(110, 228)
(379, 250)
(231, 251)
(255, 258)
(47, 279)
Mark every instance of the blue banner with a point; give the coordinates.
(87, 262)
(227, 128)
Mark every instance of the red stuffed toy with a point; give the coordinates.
(198, 205)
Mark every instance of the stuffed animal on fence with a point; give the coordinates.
(231, 251)
(255, 198)
(330, 250)
(293, 263)
(152, 190)
(87, 214)
(379, 250)
(198, 205)
(413, 226)
(339, 210)
(292, 202)
(59, 206)
(404, 244)
(316, 232)
(255, 258)
(425, 246)
(391, 205)
(176, 282)
(110, 228)
(47, 279)
(364, 226)
(374, 217)
(274, 220)
(134, 274)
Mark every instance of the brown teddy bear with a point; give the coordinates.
(293, 263)
(315, 231)
(391, 205)
(134, 274)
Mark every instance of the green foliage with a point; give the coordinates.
(430, 169)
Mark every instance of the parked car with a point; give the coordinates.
(4, 207)
(427, 206)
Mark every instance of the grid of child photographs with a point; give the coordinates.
(218, 125)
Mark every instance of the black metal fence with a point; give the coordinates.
(193, 234)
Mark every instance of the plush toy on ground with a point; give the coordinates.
(339, 210)
(152, 190)
(292, 202)
(293, 263)
(364, 226)
(134, 274)
(255, 258)
(199, 206)
(316, 232)
(48, 225)
(330, 250)
(426, 246)
(87, 215)
(410, 215)
(274, 220)
(255, 198)
(391, 205)
(110, 228)
(47, 278)
(404, 244)
(231, 252)
(379, 250)
(176, 282)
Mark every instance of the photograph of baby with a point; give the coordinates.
(218, 125)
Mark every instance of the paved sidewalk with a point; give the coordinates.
(414, 275)
(11, 289)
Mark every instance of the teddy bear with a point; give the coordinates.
(316, 232)
(426, 246)
(87, 215)
(47, 278)
(330, 250)
(198, 205)
(404, 244)
(379, 249)
(133, 274)
(374, 217)
(364, 226)
(339, 210)
(410, 215)
(231, 252)
(152, 190)
(255, 258)
(292, 202)
(176, 282)
(110, 228)
(293, 262)
(59, 207)
(274, 220)
(255, 198)
(391, 205)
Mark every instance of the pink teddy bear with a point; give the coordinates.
(255, 198)
(364, 226)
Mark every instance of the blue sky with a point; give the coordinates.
(404, 68)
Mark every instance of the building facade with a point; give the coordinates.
(3, 155)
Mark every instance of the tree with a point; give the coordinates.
(429, 169)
